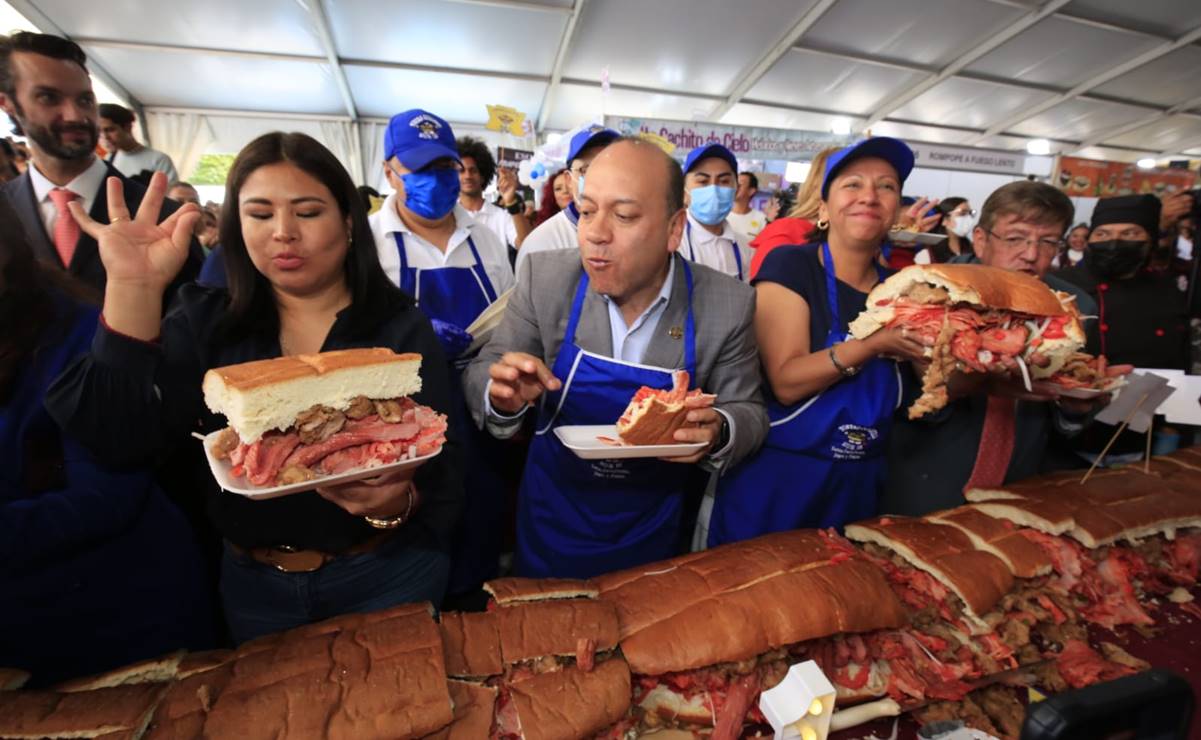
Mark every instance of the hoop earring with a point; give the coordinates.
(822, 224)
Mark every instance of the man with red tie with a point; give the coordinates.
(46, 91)
(993, 433)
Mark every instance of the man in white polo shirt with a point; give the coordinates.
(559, 231)
(710, 174)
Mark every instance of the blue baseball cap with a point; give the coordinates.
(417, 137)
(713, 150)
(894, 151)
(589, 137)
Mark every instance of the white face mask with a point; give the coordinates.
(961, 224)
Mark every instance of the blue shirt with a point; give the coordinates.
(630, 342)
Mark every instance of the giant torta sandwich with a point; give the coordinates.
(294, 419)
(974, 318)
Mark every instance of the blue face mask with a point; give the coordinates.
(711, 204)
(431, 194)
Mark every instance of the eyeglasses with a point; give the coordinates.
(1021, 242)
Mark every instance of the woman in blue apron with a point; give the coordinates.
(823, 462)
(452, 297)
(578, 518)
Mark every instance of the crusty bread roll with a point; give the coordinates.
(537, 629)
(978, 578)
(511, 590)
(42, 714)
(474, 705)
(257, 397)
(549, 705)
(153, 670)
(1024, 558)
(471, 644)
(709, 607)
(982, 287)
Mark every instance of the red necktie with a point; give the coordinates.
(996, 444)
(66, 228)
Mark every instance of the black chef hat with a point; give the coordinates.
(1130, 209)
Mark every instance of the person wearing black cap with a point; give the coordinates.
(559, 231)
(1143, 315)
(1143, 318)
(710, 178)
(831, 399)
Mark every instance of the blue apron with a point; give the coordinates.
(823, 462)
(578, 518)
(458, 295)
(692, 254)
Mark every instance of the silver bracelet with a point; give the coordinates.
(846, 372)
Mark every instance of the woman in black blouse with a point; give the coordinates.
(304, 277)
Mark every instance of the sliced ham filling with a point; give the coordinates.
(370, 441)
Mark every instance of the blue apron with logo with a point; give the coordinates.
(823, 462)
(579, 518)
(458, 295)
(734, 246)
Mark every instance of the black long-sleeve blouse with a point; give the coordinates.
(128, 401)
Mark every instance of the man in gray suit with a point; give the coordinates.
(583, 331)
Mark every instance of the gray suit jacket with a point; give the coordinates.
(727, 356)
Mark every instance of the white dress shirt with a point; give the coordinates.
(714, 250)
(498, 220)
(421, 254)
(86, 185)
(631, 342)
(556, 232)
(747, 225)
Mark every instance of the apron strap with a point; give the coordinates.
(688, 236)
(689, 327)
(408, 281)
(834, 335)
(573, 214)
(576, 305)
(689, 321)
(484, 280)
(737, 257)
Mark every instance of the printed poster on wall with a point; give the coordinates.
(1096, 178)
(747, 142)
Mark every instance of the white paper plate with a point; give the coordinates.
(1081, 393)
(243, 487)
(584, 442)
(910, 237)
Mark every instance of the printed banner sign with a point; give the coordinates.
(1097, 178)
(747, 142)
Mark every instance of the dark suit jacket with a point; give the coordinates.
(85, 264)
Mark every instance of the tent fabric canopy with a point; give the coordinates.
(1102, 78)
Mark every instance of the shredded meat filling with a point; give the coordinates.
(390, 411)
(360, 408)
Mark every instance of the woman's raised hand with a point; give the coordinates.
(140, 251)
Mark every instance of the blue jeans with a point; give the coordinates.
(258, 599)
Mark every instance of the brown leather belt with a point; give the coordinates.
(288, 559)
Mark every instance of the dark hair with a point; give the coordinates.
(55, 47)
(7, 146)
(549, 206)
(470, 146)
(366, 193)
(1030, 201)
(118, 114)
(252, 308)
(754, 180)
(945, 207)
(27, 310)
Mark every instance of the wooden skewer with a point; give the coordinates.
(1114, 438)
(1147, 457)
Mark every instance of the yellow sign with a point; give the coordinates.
(658, 141)
(504, 118)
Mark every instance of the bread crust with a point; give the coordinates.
(571, 703)
(511, 590)
(471, 644)
(537, 629)
(1024, 558)
(978, 578)
(247, 376)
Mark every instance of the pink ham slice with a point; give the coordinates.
(266, 457)
(362, 434)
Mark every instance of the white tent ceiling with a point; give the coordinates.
(1112, 79)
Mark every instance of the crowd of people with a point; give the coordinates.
(119, 290)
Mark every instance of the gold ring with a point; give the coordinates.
(115, 219)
